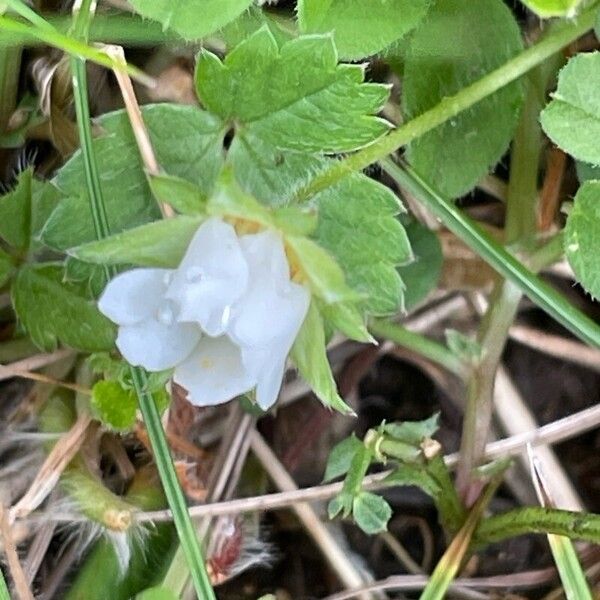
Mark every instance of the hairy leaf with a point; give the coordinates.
(582, 237)
(459, 42)
(54, 311)
(114, 406)
(360, 28)
(572, 119)
(290, 97)
(340, 458)
(359, 227)
(553, 8)
(158, 244)
(188, 144)
(310, 357)
(191, 19)
(371, 512)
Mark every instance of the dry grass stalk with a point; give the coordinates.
(60, 456)
(21, 584)
(32, 363)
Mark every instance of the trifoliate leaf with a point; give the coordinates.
(340, 458)
(310, 357)
(360, 28)
(192, 19)
(458, 42)
(572, 119)
(582, 237)
(422, 275)
(553, 8)
(113, 405)
(185, 197)
(289, 97)
(6, 267)
(359, 227)
(54, 311)
(371, 512)
(158, 244)
(188, 144)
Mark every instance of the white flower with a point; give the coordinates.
(212, 275)
(226, 318)
(149, 334)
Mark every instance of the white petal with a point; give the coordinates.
(214, 372)
(212, 275)
(265, 314)
(267, 366)
(134, 295)
(265, 255)
(157, 345)
(269, 384)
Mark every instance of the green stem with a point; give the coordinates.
(520, 228)
(500, 259)
(71, 46)
(10, 67)
(185, 529)
(434, 351)
(561, 36)
(536, 519)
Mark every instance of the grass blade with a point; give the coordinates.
(500, 259)
(168, 476)
(4, 595)
(571, 574)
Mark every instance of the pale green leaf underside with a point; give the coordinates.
(191, 19)
(572, 119)
(188, 144)
(54, 311)
(361, 28)
(582, 237)
(553, 8)
(371, 512)
(458, 42)
(295, 97)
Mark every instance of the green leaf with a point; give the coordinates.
(324, 275)
(191, 19)
(459, 42)
(569, 568)
(340, 458)
(413, 432)
(342, 503)
(582, 237)
(572, 119)
(158, 244)
(371, 512)
(421, 276)
(359, 227)
(15, 213)
(310, 357)
(416, 475)
(269, 173)
(463, 346)
(347, 318)
(182, 195)
(553, 8)
(113, 405)
(290, 96)
(188, 144)
(361, 30)
(54, 311)
(6, 267)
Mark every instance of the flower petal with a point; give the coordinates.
(157, 345)
(212, 275)
(134, 295)
(265, 255)
(214, 372)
